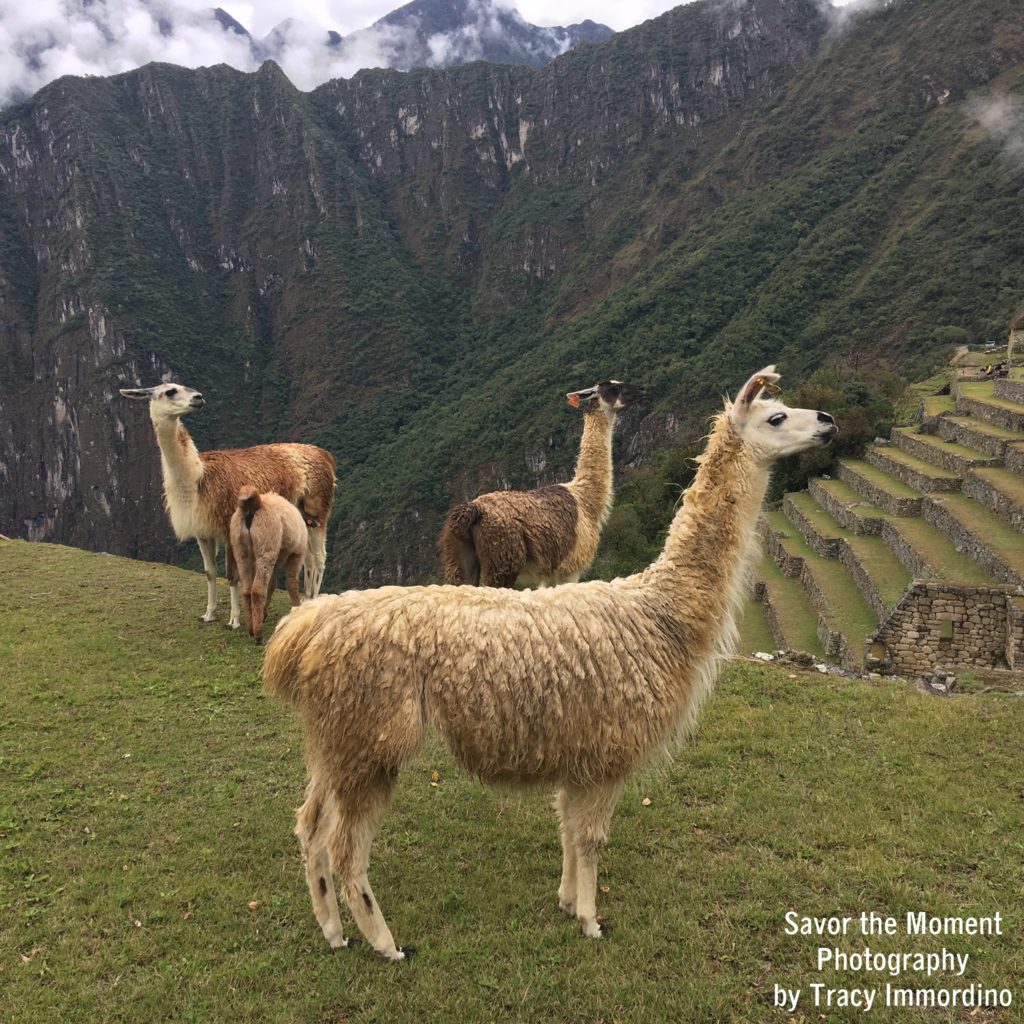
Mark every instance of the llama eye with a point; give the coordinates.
(777, 419)
(171, 393)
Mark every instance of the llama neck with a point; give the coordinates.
(179, 456)
(702, 567)
(592, 483)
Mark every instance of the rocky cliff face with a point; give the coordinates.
(411, 268)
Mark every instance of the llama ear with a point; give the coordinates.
(143, 394)
(763, 380)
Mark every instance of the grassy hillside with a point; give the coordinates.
(149, 872)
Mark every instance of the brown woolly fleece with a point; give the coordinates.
(267, 532)
(549, 535)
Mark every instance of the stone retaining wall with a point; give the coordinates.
(995, 501)
(827, 547)
(883, 499)
(1013, 457)
(962, 539)
(905, 552)
(986, 628)
(1011, 390)
(964, 433)
(911, 477)
(937, 455)
(994, 414)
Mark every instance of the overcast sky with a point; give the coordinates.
(41, 40)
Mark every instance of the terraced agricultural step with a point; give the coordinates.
(977, 434)
(1010, 388)
(880, 489)
(915, 473)
(929, 555)
(979, 533)
(977, 399)
(754, 629)
(950, 455)
(792, 620)
(845, 617)
(846, 506)
(874, 568)
(999, 490)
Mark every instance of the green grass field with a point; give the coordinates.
(148, 871)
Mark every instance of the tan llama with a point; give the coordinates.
(571, 687)
(267, 532)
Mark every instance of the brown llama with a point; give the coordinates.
(548, 535)
(201, 488)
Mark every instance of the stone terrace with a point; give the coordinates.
(913, 557)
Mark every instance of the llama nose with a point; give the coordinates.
(823, 417)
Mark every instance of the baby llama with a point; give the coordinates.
(201, 488)
(549, 535)
(267, 532)
(572, 687)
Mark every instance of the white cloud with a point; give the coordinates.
(1002, 117)
(43, 39)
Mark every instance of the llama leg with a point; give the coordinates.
(271, 587)
(360, 814)
(231, 570)
(590, 814)
(258, 599)
(291, 577)
(312, 826)
(567, 888)
(316, 561)
(208, 549)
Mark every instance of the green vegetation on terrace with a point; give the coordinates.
(981, 391)
(939, 444)
(881, 480)
(935, 551)
(848, 611)
(149, 872)
(928, 470)
(991, 429)
(797, 619)
(874, 555)
(1006, 481)
(990, 529)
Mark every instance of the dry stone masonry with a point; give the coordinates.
(912, 559)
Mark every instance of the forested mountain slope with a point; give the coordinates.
(411, 268)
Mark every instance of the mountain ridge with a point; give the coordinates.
(390, 266)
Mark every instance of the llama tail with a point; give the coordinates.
(249, 504)
(461, 564)
(295, 636)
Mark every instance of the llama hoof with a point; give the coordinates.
(258, 639)
(591, 929)
(234, 625)
(207, 618)
(567, 907)
(408, 952)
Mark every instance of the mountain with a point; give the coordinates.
(43, 41)
(411, 268)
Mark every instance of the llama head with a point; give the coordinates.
(608, 396)
(167, 401)
(771, 429)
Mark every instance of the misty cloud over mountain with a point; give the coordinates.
(46, 39)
